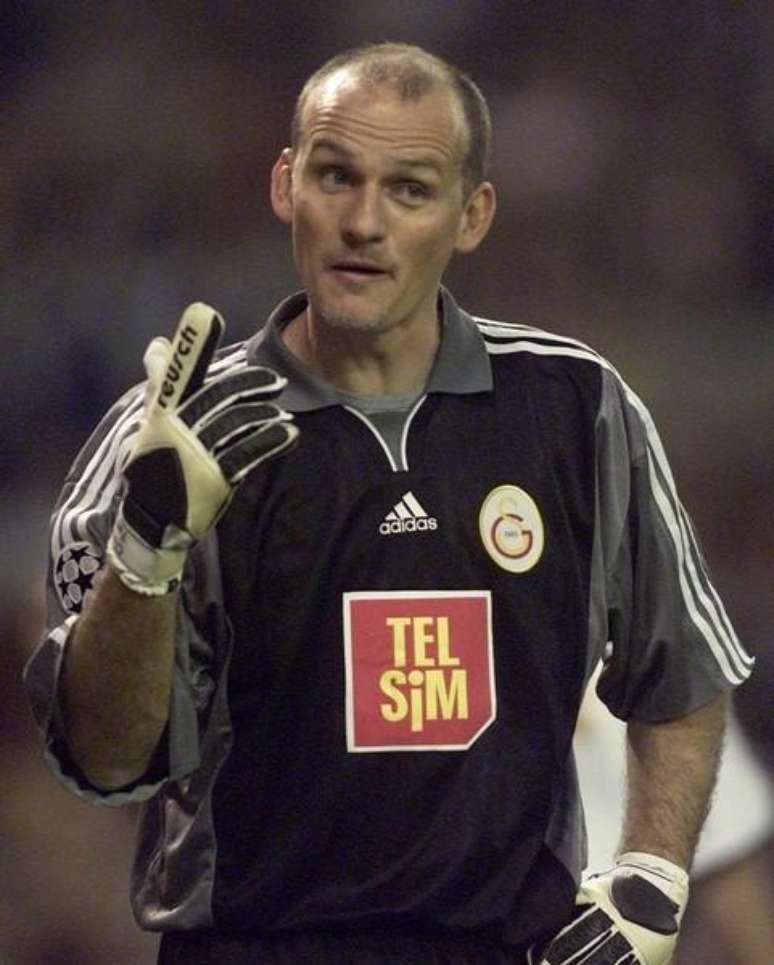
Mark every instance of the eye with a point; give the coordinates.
(333, 177)
(411, 192)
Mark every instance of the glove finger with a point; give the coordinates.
(193, 346)
(252, 382)
(581, 940)
(226, 427)
(156, 359)
(256, 447)
(616, 951)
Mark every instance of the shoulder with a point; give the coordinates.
(511, 338)
(545, 349)
(547, 361)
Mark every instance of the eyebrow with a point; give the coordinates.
(326, 144)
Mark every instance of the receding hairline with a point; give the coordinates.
(408, 71)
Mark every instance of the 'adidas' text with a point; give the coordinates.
(407, 516)
(387, 528)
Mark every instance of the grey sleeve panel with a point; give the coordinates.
(670, 644)
(174, 869)
(80, 527)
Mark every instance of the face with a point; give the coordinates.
(374, 195)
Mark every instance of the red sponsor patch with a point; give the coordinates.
(420, 669)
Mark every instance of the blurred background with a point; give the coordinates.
(634, 157)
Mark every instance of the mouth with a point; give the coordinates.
(357, 269)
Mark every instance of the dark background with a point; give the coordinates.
(634, 155)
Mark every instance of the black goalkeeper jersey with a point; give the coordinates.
(383, 649)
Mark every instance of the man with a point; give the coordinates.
(346, 679)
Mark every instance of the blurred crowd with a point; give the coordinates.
(634, 158)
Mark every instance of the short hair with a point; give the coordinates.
(412, 72)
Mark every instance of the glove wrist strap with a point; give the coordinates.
(144, 569)
(655, 865)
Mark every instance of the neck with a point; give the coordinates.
(394, 362)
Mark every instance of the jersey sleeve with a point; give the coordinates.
(670, 644)
(80, 526)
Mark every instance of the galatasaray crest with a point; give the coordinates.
(511, 528)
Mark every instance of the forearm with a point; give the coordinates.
(633, 911)
(117, 681)
(671, 772)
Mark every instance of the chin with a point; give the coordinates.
(353, 320)
(355, 323)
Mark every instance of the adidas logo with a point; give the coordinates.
(407, 516)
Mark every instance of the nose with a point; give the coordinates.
(363, 221)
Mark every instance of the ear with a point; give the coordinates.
(282, 186)
(477, 217)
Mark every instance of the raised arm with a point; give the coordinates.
(197, 442)
(117, 682)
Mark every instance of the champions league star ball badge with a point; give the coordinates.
(74, 572)
(511, 528)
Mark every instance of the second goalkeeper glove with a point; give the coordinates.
(629, 915)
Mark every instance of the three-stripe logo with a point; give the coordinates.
(407, 516)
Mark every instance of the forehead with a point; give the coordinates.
(365, 116)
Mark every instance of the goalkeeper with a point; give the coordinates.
(327, 600)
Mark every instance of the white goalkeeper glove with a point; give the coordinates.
(629, 915)
(196, 444)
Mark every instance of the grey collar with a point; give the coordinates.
(460, 368)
